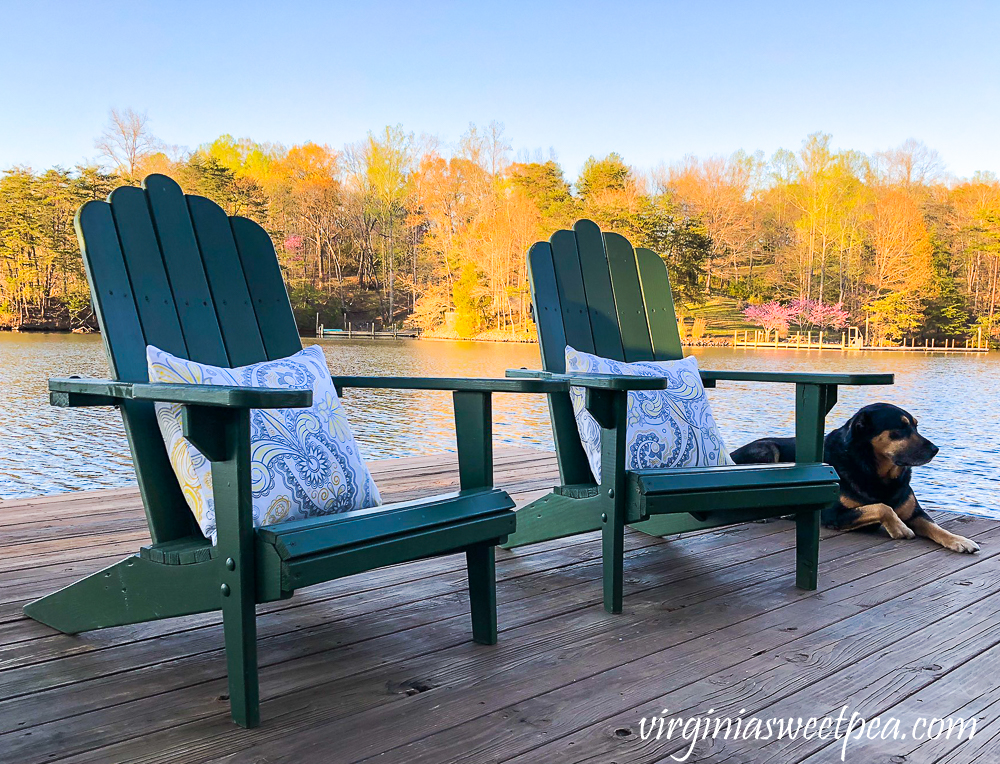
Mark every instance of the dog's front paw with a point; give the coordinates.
(900, 531)
(962, 544)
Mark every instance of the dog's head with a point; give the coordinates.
(892, 433)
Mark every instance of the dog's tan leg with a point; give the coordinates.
(880, 514)
(927, 528)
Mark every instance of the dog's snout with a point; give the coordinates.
(933, 449)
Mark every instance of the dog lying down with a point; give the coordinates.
(873, 454)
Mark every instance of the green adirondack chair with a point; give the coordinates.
(593, 291)
(176, 272)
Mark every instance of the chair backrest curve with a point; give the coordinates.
(175, 271)
(593, 291)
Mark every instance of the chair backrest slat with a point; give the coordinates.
(552, 322)
(267, 289)
(224, 272)
(597, 285)
(186, 272)
(150, 286)
(628, 299)
(574, 311)
(178, 273)
(659, 302)
(111, 291)
(595, 292)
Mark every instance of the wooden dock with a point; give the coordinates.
(360, 334)
(758, 339)
(380, 667)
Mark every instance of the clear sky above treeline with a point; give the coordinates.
(653, 81)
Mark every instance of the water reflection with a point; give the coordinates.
(46, 450)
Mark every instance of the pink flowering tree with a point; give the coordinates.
(813, 314)
(293, 249)
(771, 316)
(832, 316)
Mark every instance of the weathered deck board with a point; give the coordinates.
(381, 667)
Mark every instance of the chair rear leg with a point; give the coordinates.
(807, 549)
(134, 590)
(481, 563)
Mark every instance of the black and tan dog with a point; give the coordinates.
(873, 454)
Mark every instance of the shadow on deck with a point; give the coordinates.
(381, 666)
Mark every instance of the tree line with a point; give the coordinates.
(401, 229)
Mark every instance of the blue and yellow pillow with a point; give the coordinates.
(666, 428)
(304, 462)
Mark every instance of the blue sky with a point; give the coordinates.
(653, 81)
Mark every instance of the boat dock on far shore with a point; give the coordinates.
(350, 333)
(758, 339)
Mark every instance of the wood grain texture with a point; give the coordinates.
(388, 671)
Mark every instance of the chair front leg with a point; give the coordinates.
(481, 565)
(610, 409)
(223, 436)
(474, 436)
(812, 404)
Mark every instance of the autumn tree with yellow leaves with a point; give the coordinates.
(400, 229)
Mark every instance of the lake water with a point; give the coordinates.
(47, 450)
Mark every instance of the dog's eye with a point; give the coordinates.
(895, 434)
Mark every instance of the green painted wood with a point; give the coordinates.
(125, 346)
(206, 395)
(456, 537)
(546, 310)
(224, 271)
(351, 529)
(629, 303)
(209, 287)
(616, 382)
(147, 275)
(573, 308)
(580, 491)
(474, 438)
(548, 315)
(480, 561)
(180, 551)
(596, 381)
(600, 297)
(661, 317)
(671, 524)
(555, 516)
(614, 452)
(267, 289)
(632, 324)
(807, 378)
(482, 384)
(111, 291)
(778, 500)
(224, 437)
(711, 479)
(134, 590)
(182, 261)
(812, 404)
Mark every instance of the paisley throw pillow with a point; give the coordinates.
(666, 428)
(304, 462)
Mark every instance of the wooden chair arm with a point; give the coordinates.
(453, 384)
(75, 392)
(809, 378)
(592, 381)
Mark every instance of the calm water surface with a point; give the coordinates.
(47, 450)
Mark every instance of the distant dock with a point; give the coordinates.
(350, 333)
(758, 339)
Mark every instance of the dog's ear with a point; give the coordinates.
(860, 423)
